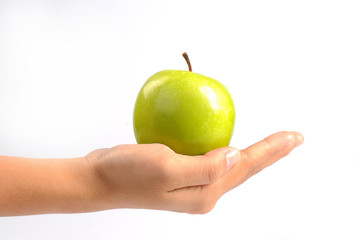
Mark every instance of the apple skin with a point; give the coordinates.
(189, 112)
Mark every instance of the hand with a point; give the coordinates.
(152, 176)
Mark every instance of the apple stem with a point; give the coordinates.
(185, 55)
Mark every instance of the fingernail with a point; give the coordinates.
(232, 157)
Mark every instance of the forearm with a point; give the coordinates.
(37, 186)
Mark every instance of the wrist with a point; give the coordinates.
(72, 194)
(92, 189)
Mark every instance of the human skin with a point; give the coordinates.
(147, 176)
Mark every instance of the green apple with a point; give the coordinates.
(190, 113)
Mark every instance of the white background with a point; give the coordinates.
(70, 72)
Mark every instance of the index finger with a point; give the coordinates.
(272, 147)
(259, 156)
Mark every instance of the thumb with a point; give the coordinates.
(231, 155)
(205, 169)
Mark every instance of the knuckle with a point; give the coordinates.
(160, 165)
(255, 170)
(268, 144)
(161, 150)
(210, 172)
(167, 164)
